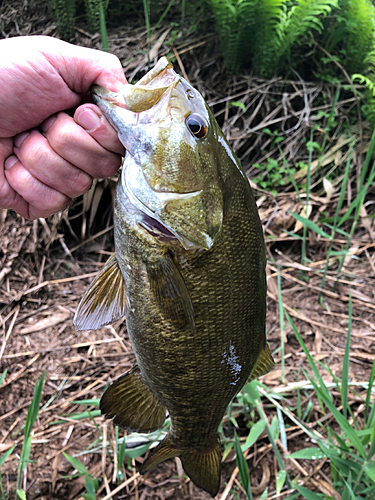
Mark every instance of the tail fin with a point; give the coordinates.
(202, 466)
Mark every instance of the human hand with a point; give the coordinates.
(48, 157)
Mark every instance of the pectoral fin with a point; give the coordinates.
(170, 291)
(105, 299)
(263, 364)
(131, 404)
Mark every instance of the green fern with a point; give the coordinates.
(93, 8)
(301, 20)
(266, 41)
(266, 30)
(63, 12)
(359, 41)
(234, 20)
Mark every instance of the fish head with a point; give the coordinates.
(170, 171)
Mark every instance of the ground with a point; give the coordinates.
(46, 265)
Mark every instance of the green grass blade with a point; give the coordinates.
(103, 27)
(341, 420)
(308, 179)
(6, 455)
(32, 415)
(309, 224)
(309, 495)
(338, 208)
(367, 161)
(368, 395)
(3, 375)
(308, 355)
(283, 438)
(281, 317)
(345, 364)
(77, 464)
(242, 468)
(254, 433)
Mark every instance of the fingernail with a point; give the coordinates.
(10, 161)
(47, 123)
(88, 119)
(18, 140)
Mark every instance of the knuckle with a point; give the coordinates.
(109, 166)
(79, 182)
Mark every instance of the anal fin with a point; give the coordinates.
(104, 301)
(263, 364)
(131, 403)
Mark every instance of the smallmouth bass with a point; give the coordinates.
(188, 272)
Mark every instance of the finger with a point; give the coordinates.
(9, 198)
(44, 164)
(91, 118)
(78, 147)
(39, 199)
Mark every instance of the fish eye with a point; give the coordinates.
(197, 125)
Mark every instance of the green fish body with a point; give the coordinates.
(188, 272)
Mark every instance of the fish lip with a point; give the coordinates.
(100, 94)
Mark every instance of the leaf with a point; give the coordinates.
(370, 471)
(3, 375)
(239, 104)
(308, 453)
(305, 214)
(310, 225)
(274, 428)
(77, 464)
(242, 468)
(328, 188)
(21, 494)
(254, 433)
(309, 495)
(6, 455)
(280, 480)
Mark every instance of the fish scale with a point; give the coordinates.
(190, 258)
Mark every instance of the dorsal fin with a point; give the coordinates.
(104, 301)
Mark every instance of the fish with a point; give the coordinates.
(188, 272)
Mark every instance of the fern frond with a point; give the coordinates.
(234, 20)
(63, 13)
(93, 8)
(301, 20)
(359, 18)
(266, 41)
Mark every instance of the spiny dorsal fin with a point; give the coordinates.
(171, 293)
(263, 364)
(104, 301)
(131, 404)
